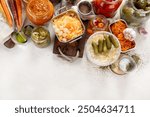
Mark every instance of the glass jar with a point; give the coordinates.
(108, 8)
(41, 37)
(134, 14)
(98, 23)
(39, 11)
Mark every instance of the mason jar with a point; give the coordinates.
(41, 37)
(108, 8)
(134, 13)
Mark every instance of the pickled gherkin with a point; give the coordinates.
(140, 4)
(21, 38)
(114, 41)
(105, 49)
(128, 11)
(147, 8)
(136, 12)
(95, 47)
(108, 42)
(100, 45)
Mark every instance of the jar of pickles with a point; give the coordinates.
(41, 37)
(107, 8)
(136, 12)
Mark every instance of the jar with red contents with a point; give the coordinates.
(108, 8)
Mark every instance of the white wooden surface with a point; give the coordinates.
(28, 72)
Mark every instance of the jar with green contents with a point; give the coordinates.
(136, 12)
(41, 37)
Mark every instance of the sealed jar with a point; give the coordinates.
(108, 8)
(39, 11)
(136, 12)
(41, 37)
(97, 23)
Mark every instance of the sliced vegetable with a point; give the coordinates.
(20, 37)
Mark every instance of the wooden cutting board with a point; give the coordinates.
(70, 49)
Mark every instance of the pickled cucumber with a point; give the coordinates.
(108, 42)
(114, 41)
(105, 49)
(147, 8)
(141, 4)
(95, 47)
(21, 38)
(100, 45)
(128, 11)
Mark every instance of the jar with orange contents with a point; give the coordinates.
(39, 11)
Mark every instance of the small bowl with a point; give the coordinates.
(116, 67)
(99, 62)
(115, 35)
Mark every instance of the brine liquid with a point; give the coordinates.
(107, 8)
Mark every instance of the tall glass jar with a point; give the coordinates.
(108, 8)
(135, 14)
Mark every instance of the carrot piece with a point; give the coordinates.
(14, 12)
(18, 4)
(7, 12)
(2, 11)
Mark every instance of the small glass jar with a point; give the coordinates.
(134, 16)
(39, 11)
(98, 23)
(108, 8)
(41, 37)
